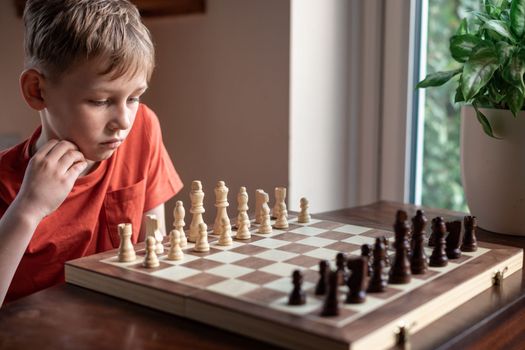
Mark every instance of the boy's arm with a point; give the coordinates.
(49, 177)
(159, 213)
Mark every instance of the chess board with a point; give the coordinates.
(244, 287)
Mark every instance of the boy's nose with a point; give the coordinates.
(121, 119)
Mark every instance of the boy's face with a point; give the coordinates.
(91, 110)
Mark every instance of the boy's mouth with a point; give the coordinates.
(112, 144)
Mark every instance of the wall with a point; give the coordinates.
(221, 92)
(11, 64)
(319, 110)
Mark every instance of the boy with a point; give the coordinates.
(97, 159)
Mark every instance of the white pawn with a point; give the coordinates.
(126, 253)
(202, 245)
(266, 226)
(178, 223)
(304, 216)
(153, 230)
(242, 205)
(243, 231)
(150, 260)
(226, 233)
(282, 219)
(175, 253)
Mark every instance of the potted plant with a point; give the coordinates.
(489, 47)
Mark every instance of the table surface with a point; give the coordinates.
(70, 317)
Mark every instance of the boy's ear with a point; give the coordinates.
(31, 84)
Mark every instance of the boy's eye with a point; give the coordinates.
(99, 102)
(134, 99)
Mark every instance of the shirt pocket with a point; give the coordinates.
(125, 205)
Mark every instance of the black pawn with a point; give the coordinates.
(340, 263)
(324, 270)
(377, 282)
(366, 252)
(297, 296)
(453, 239)
(418, 259)
(470, 243)
(400, 271)
(438, 257)
(331, 302)
(356, 283)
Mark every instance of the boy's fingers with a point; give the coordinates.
(61, 148)
(76, 169)
(46, 148)
(69, 158)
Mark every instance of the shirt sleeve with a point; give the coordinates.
(163, 182)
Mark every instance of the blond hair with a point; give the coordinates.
(63, 33)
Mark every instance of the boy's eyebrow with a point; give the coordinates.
(106, 90)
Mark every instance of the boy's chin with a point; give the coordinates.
(98, 157)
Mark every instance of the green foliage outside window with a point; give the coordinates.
(441, 186)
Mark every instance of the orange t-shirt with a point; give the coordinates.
(138, 177)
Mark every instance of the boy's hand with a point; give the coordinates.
(50, 176)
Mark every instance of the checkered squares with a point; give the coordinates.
(258, 270)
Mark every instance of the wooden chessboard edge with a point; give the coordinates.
(122, 289)
(441, 305)
(259, 328)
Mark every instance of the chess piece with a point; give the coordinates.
(418, 259)
(175, 253)
(340, 263)
(400, 271)
(265, 227)
(126, 253)
(297, 296)
(356, 282)
(197, 209)
(470, 243)
(226, 233)
(377, 283)
(282, 218)
(324, 270)
(221, 203)
(438, 258)
(259, 199)
(304, 216)
(366, 253)
(151, 260)
(386, 243)
(153, 229)
(178, 223)
(243, 223)
(331, 301)
(202, 245)
(242, 206)
(280, 201)
(453, 240)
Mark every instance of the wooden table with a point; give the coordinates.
(69, 317)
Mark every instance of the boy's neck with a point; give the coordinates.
(91, 165)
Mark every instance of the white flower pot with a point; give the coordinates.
(493, 171)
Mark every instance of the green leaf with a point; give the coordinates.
(500, 27)
(514, 100)
(458, 97)
(487, 128)
(461, 46)
(463, 27)
(494, 94)
(504, 50)
(517, 17)
(478, 70)
(481, 16)
(513, 72)
(438, 78)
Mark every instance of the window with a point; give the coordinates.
(436, 163)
